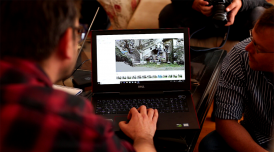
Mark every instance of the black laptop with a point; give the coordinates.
(148, 67)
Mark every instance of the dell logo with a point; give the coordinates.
(141, 86)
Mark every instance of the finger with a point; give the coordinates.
(155, 116)
(207, 8)
(134, 112)
(123, 125)
(143, 110)
(228, 24)
(230, 7)
(130, 112)
(150, 113)
(207, 13)
(230, 19)
(203, 3)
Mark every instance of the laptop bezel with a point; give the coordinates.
(162, 85)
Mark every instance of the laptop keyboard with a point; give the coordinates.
(123, 105)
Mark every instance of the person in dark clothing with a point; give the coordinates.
(195, 14)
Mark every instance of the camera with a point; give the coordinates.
(219, 15)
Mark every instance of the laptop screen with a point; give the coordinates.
(139, 58)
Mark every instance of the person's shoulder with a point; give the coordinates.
(239, 48)
(42, 98)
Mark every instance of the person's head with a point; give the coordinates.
(35, 29)
(261, 48)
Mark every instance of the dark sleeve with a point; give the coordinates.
(251, 4)
(182, 4)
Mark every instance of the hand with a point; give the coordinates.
(233, 8)
(141, 125)
(200, 6)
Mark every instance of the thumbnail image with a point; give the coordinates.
(128, 77)
(118, 77)
(175, 76)
(164, 76)
(139, 76)
(144, 76)
(170, 76)
(154, 76)
(134, 77)
(180, 76)
(149, 76)
(149, 54)
(160, 76)
(124, 77)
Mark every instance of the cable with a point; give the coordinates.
(221, 45)
(88, 32)
(80, 66)
(196, 32)
(83, 44)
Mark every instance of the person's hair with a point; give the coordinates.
(32, 29)
(266, 20)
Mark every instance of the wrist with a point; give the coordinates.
(144, 144)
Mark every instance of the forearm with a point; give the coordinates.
(143, 145)
(237, 136)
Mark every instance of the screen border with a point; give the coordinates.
(162, 85)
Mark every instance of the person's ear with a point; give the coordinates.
(65, 44)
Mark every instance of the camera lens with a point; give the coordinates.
(220, 15)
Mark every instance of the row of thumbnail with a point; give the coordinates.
(150, 76)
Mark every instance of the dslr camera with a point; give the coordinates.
(219, 15)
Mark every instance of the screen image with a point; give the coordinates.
(140, 57)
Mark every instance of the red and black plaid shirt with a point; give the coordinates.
(36, 118)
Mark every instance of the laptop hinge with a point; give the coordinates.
(139, 92)
(105, 93)
(176, 91)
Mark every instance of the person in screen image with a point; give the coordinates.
(39, 47)
(246, 89)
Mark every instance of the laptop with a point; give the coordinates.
(148, 67)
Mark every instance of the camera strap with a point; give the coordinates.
(221, 45)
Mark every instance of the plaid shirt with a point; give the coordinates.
(36, 118)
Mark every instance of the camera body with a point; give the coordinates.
(219, 15)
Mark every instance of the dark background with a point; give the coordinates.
(88, 10)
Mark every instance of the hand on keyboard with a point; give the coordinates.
(142, 125)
